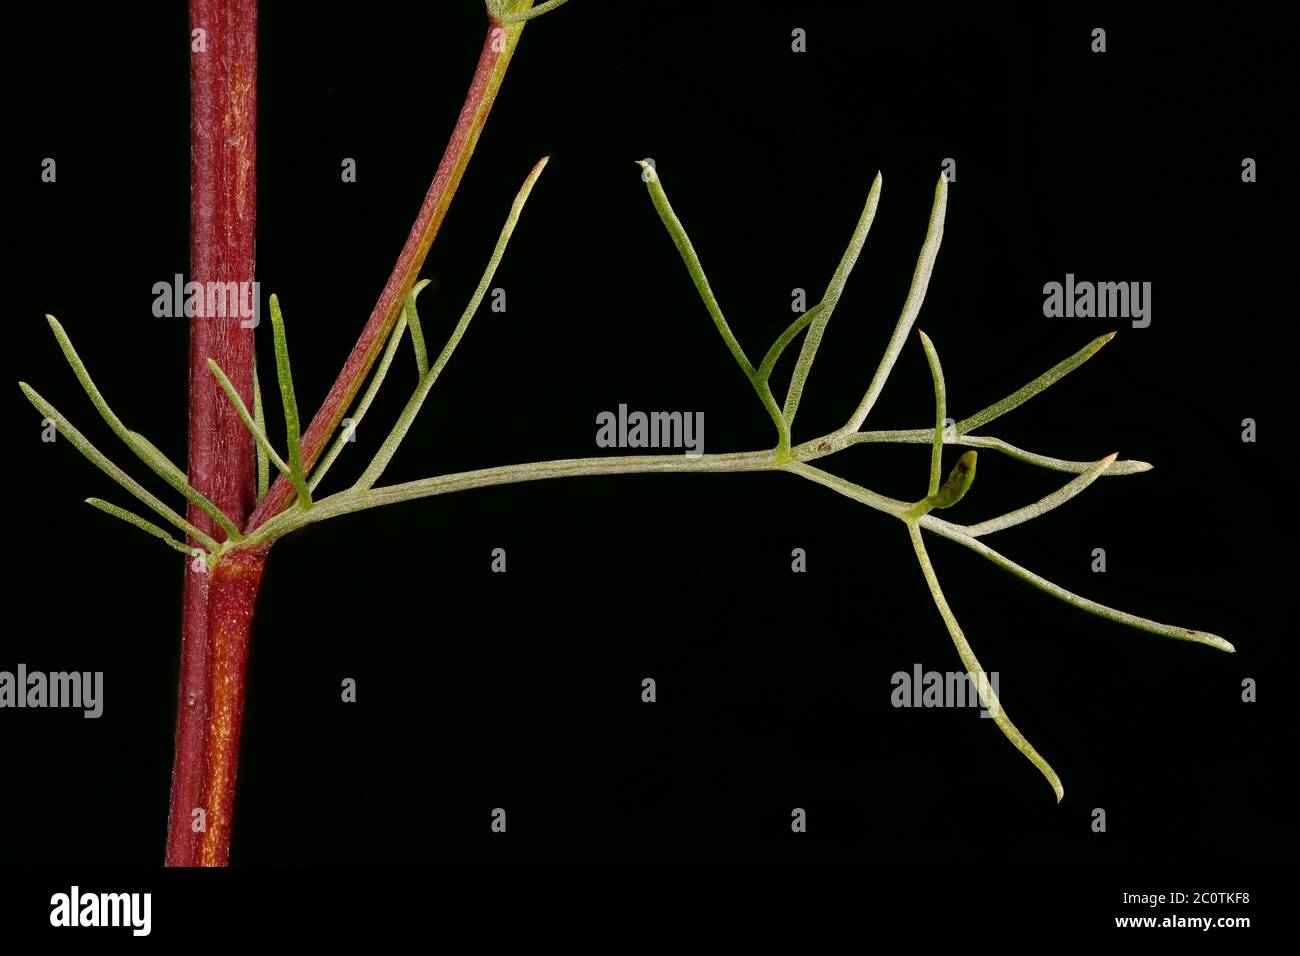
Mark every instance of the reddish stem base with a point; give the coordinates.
(198, 832)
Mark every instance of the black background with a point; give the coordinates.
(522, 691)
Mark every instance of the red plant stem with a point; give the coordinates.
(498, 48)
(223, 204)
(219, 604)
(232, 593)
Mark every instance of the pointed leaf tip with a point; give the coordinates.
(1212, 640)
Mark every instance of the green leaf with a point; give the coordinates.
(285, 375)
(692, 261)
(259, 417)
(1043, 505)
(148, 527)
(160, 463)
(417, 334)
(101, 461)
(976, 671)
(940, 410)
(918, 436)
(812, 341)
(956, 533)
(143, 449)
(1127, 467)
(1020, 396)
(911, 306)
